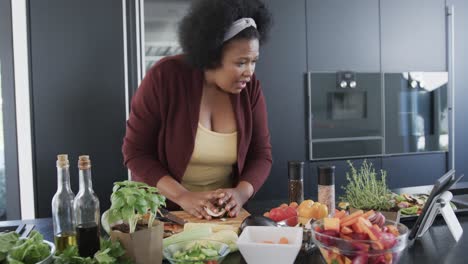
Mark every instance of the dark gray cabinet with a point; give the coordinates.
(281, 71)
(413, 170)
(413, 35)
(343, 35)
(78, 93)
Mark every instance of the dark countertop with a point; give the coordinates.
(436, 246)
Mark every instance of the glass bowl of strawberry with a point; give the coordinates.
(359, 241)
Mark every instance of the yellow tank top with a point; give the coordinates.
(213, 156)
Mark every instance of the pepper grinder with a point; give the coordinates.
(296, 181)
(326, 187)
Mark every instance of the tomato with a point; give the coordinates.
(281, 213)
(309, 209)
(304, 209)
(293, 205)
(319, 211)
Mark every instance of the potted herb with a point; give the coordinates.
(366, 190)
(132, 220)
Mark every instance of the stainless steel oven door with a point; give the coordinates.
(345, 111)
(417, 114)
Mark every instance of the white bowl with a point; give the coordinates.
(254, 250)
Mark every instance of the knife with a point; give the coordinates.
(172, 217)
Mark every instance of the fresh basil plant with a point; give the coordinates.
(132, 200)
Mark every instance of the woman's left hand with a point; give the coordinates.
(234, 198)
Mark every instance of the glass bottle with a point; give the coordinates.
(87, 211)
(326, 187)
(62, 207)
(296, 181)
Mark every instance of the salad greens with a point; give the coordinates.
(7, 241)
(132, 200)
(197, 253)
(410, 210)
(14, 250)
(23, 251)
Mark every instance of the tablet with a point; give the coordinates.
(442, 184)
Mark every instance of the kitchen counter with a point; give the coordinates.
(436, 246)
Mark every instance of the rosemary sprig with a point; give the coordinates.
(365, 190)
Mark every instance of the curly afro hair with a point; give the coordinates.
(202, 30)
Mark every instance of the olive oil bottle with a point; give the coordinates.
(87, 213)
(62, 207)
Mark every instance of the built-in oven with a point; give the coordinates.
(416, 112)
(345, 114)
(355, 114)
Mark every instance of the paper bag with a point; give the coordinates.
(143, 246)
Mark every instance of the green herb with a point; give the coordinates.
(70, 256)
(111, 252)
(132, 200)
(365, 190)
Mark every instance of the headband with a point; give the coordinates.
(238, 26)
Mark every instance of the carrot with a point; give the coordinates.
(368, 214)
(351, 216)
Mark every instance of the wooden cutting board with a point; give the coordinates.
(235, 221)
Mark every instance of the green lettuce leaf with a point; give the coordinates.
(7, 241)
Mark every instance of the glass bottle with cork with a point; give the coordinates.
(62, 207)
(296, 181)
(87, 211)
(326, 187)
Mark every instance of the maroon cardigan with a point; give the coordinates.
(161, 129)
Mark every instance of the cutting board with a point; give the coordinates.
(234, 221)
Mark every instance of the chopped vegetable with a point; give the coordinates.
(198, 252)
(214, 227)
(193, 234)
(228, 237)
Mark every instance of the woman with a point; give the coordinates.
(198, 125)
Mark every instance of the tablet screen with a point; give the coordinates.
(442, 184)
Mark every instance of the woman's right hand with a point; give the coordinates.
(194, 203)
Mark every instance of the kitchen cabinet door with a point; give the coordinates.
(343, 35)
(281, 70)
(413, 35)
(78, 93)
(414, 170)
